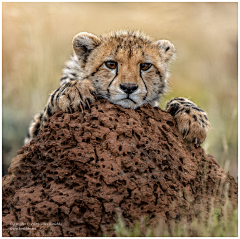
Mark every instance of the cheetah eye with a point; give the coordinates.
(145, 66)
(111, 64)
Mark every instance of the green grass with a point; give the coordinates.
(201, 221)
(219, 223)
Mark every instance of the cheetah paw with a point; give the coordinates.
(192, 122)
(75, 96)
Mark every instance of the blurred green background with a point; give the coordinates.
(37, 41)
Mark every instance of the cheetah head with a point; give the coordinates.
(127, 68)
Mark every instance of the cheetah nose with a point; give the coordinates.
(128, 88)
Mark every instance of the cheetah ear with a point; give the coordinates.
(83, 44)
(166, 49)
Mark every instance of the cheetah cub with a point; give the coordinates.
(129, 69)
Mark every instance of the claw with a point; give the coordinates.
(94, 94)
(196, 141)
(81, 107)
(173, 109)
(88, 102)
(68, 109)
(185, 133)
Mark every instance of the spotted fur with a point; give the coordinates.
(88, 74)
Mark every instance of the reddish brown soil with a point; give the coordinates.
(84, 168)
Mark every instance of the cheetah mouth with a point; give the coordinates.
(128, 98)
(127, 101)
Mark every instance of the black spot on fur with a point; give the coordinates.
(167, 48)
(187, 111)
(198, 109)
(130, 52)
(118, 47)
(37, 129)
(108, 93)
(63, 78)
(187, 104)
(74, 83)
(195, 117)
(41, 115)
(179, 98)
(159, 73)
(174, 108)
(49, 112)
(179, 111)
(52, 96)
(85, 54)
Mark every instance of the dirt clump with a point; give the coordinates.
(83, 169)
